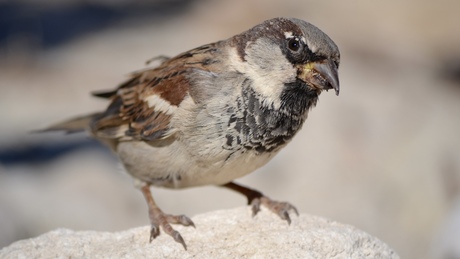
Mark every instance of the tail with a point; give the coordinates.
(71, 126)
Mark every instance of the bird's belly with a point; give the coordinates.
(225, 171)
(175, 167)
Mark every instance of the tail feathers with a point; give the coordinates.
(73, 125)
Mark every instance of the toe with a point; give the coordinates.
(255, 205)
(295, 210)
(154, 232)
(180, 219)
(282, 209)
(285, 216)
(178, 238)
(186, 221)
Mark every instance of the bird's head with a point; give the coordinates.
(287, 51)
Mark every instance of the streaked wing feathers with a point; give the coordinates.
(141, 108)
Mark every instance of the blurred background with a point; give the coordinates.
(384, 156)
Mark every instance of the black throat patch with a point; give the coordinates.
(261, 127)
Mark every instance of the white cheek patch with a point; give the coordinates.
(267, 68)
(158, 104)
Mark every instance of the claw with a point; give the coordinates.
(180, 219)
(154, 232)
(185, 221)
(285, 215)
(255, 207)
(178, 238)
(295, 210)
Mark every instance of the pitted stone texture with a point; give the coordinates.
(219, 234)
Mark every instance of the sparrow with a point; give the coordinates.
(215, 113)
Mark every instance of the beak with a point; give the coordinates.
(321, 75)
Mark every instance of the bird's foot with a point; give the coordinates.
(256, 198)
(160, 219)
(281, 209)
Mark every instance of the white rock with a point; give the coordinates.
(219, 234)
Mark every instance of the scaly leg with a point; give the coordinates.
(256, 198)
(159, 219)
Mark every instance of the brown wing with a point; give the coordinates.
(142, 107)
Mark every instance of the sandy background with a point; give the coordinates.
(383, 156)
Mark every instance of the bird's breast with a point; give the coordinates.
(257, 125)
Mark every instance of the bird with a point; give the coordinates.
(215, 113)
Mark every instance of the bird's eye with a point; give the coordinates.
(294, 44)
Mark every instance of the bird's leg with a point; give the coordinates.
(256, 198)
(159, 219)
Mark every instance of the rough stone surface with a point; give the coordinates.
(219, 234)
